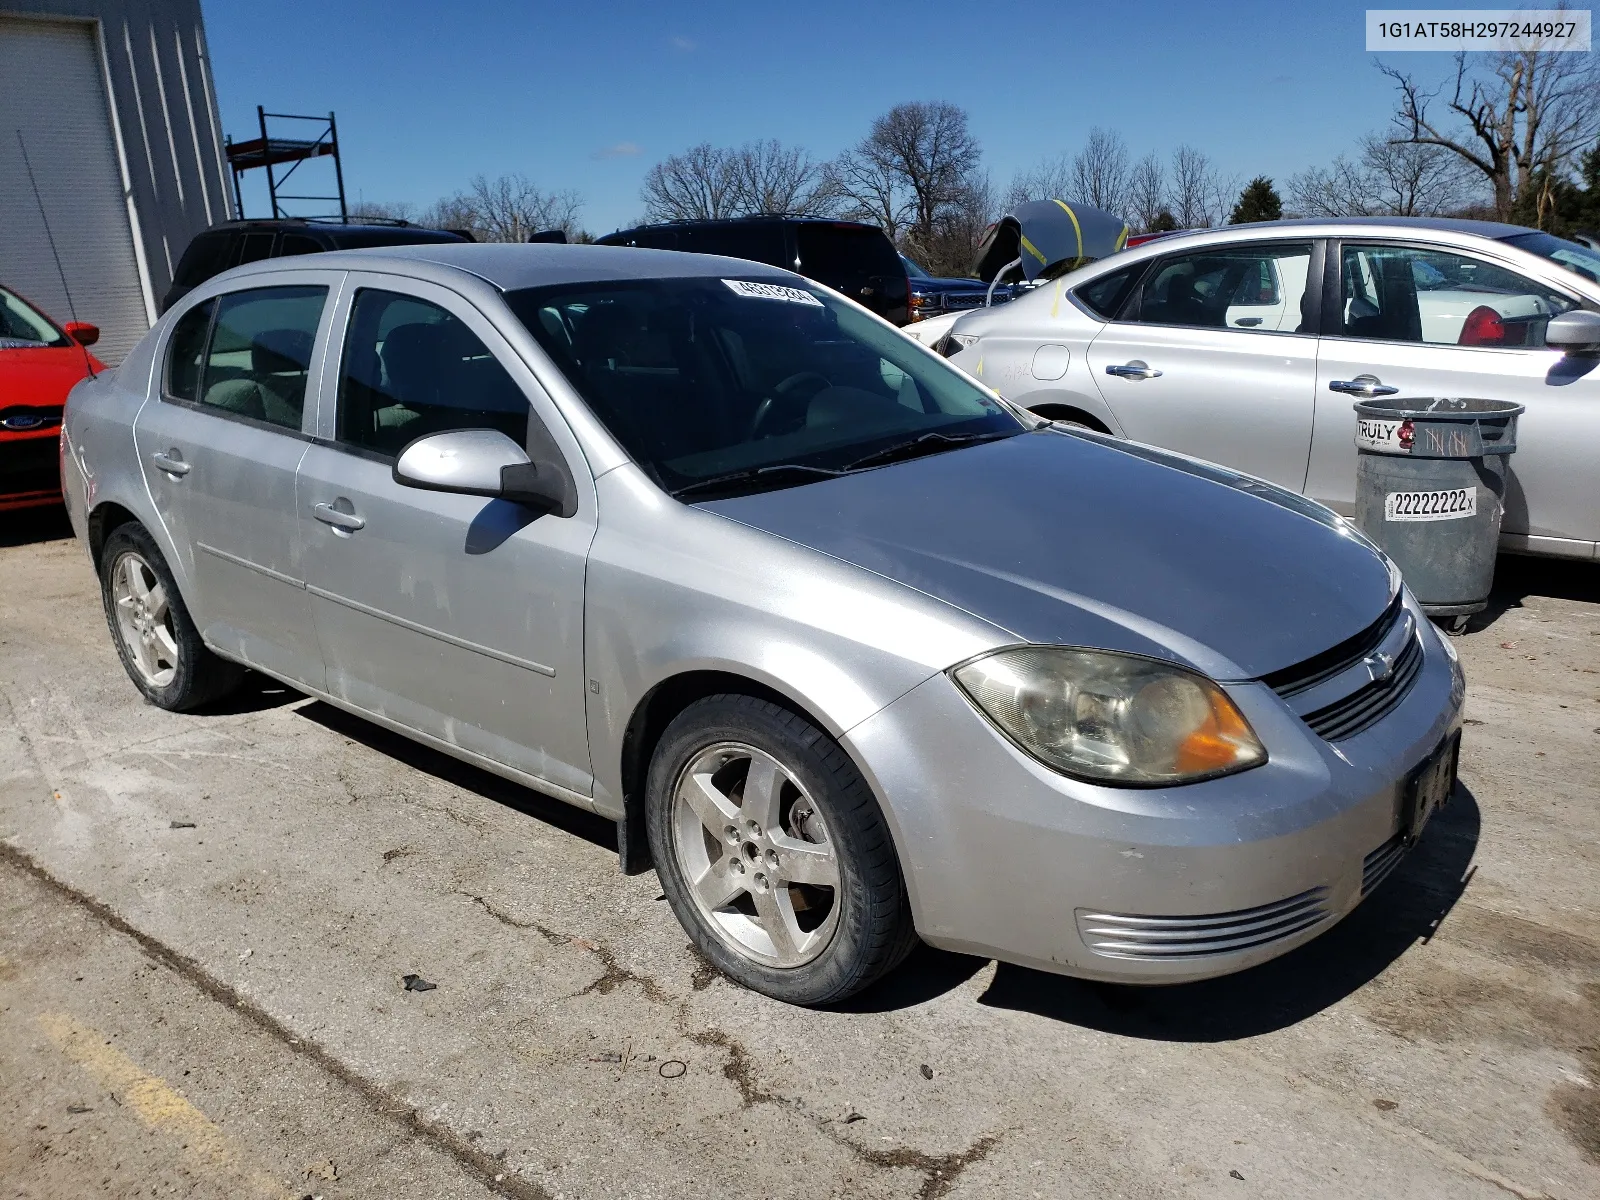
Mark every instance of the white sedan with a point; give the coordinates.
(1249, 345)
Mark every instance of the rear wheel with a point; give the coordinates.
(773, 853)
(154, 635)
(1070, 417)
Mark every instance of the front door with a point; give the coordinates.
(455, 616)
(1214, 357)
(1420, 321)
(220, 449)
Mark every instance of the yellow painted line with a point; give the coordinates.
(1076, 228)
(156, 1103)
(1033, 250)
(1122, 238)
(1055, 305)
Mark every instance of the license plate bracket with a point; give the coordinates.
(1429, 787)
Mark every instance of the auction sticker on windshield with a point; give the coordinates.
(1378, 435)
(772, 291)
(1449, 505)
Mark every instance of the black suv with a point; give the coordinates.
(234, 242)
(854, 259)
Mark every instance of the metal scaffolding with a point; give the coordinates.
(272, 150)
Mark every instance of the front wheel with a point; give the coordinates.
(773, 853)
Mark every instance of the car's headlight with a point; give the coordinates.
(1112, 718)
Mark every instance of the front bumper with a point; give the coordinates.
(1008, 859)
(30, 474)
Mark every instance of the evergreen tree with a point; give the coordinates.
(1258, 202)
(1165, 222)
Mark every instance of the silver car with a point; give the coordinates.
(849, 649)
(1249, 345)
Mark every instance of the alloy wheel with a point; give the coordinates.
(144, 619)
(756, 855)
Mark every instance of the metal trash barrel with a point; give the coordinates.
(1430, 490)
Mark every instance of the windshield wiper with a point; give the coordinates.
(928, 443)
(757, 475)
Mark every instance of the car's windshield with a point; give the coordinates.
(913, 270)
(1576, 258)
(23, 326)
(705, 378)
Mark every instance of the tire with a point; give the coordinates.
(768, 867)
(151, 628)
(1070, 419)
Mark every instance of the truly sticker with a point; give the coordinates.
(1449, 505)
(1378, 435)
(772, 291)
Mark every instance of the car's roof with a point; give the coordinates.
(510, 266)
(1491, 229)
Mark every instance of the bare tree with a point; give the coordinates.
(1400, 179)
(1199, 196)
(700, 184)
(952, 246)
(917, 160)
(506, 209)
(1147, 191)
(1522, 114)
(383, 210)
(1050, 180)
(773, 178)
(1100, 171)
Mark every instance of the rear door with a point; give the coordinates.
(219, 449)
(455, 616)
(1413, 319)
(1214, 355)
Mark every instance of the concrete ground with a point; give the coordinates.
(205, 922)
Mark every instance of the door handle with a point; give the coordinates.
(170, 461)
(1249, 322)
(329, 515)
(1133, 370)
(1362, 385)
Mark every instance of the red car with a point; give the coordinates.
(39, 363)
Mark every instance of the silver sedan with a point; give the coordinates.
(850, 650)
(1249, 345)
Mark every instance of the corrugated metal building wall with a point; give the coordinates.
(114, 103)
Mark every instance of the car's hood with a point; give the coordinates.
(1062, 539)
(41, 376)
(935, 284)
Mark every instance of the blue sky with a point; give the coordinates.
(587, 95)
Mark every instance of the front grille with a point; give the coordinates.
(965, 300)
(1369, 704)
(1290, 680)
(1119, 936)
(1376, 866)
(29, 464)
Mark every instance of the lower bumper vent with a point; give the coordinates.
(1164, 938)
(1375, 868)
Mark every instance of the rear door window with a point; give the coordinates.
(206, 256)
(298, 243)
(253, 247)
(845, 257)
(1104, 296)
(1256, 288)
(258, 361)
(757, 241)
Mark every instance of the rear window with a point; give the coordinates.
(757, 241)
(207, 256)
(842, 255)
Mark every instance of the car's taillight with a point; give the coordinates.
(1483, 327)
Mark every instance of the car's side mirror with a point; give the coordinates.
(485, 462)
(82, 332)
(1576, 332)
